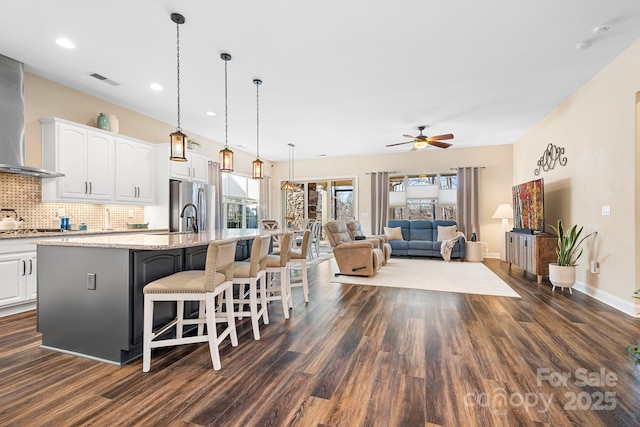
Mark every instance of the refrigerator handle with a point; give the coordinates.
(201, 208)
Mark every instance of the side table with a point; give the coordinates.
(475, 251)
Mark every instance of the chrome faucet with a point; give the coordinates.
(194, 219)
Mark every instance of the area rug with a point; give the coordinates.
(433, 275)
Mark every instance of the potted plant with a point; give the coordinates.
(192, 144)
(563, 273)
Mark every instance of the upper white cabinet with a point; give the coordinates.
(135, 181)
(196, 168)
(99, 166)
(86, 158)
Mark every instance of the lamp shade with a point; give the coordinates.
(504, 211)
(258, 169)
(178, 146)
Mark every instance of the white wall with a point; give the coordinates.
(597, 128)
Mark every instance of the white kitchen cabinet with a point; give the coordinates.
(84, 155)
(196, 168)
(134, 172)
(18, 277)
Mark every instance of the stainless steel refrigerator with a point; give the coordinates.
(201, 195)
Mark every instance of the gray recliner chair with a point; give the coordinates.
(354, 258)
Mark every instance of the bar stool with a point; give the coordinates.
(194, 285)
(278, 263)
(249, 273)
(299, 257)
(271, 224)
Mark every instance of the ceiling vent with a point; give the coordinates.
(104, 79)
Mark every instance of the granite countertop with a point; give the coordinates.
(11, 235)
(153, 240)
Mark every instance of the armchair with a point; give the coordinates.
(354, 258)
(354, 228)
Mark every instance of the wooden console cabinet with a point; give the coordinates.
(531, 252)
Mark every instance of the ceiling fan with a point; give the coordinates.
(422, 141)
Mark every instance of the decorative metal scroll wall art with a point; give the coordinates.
(550, 157)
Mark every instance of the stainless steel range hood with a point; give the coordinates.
(12, 132)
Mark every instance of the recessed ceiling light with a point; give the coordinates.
(66, 43)
(210, 113)
(321, 155)
(155, 86)
(600, 29)
(584, 45)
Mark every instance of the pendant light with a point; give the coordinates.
(290, 184)
(258, 165)
(178, 139)
(226, 155)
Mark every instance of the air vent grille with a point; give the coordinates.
(104, 79)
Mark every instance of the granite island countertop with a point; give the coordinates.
(7, 235)
(154, 240)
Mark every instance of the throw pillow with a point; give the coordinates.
(446, 233)
(393, 233)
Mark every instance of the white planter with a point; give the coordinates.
(562, 276)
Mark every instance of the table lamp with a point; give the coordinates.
(503, 212)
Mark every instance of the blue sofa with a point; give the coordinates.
(421, 239)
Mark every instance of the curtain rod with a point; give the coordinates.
(369, 173)
(463, 167)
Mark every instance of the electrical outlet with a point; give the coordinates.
(595, 267)
(91, 281)
(606, 210)
(130, 214)
(61, 212)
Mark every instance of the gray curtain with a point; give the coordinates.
(215, 179)
(469, 201)
(379, 201)
(265, 185)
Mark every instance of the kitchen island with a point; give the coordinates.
(90, 299)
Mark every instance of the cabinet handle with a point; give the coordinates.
(86, 187)
(194, 172)
(138, 191)
(30, 266)
(90, 188)
(24, 267)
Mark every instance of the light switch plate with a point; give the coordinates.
(91, 281)
(606, 210)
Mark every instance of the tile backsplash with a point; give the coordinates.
(24, 194)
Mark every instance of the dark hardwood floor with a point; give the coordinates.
(355, 355)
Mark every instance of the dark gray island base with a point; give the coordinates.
(90, 299)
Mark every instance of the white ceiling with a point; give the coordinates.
(341, 77)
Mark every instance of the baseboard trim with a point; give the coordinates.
(15, 309)
(631, 308)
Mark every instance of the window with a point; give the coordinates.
(423, 196)
(240, 201)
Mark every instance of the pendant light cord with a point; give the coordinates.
(258, 120)
(178, 69)
(226, 109)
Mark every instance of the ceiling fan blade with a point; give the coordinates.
(409, 136)
(399, 143)
(439, 144)
(441, 137)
